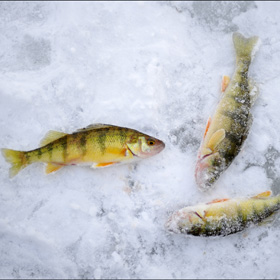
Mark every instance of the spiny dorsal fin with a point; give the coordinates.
(263, 195)
(216, 139)
(94, 126)
(51, 136)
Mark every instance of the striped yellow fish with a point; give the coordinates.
(97, 145)
(224, 216)
(229, 127)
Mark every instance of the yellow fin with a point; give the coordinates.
(51, 167)
(216, 139)
(244, 47)
(51, 136)
(263, 195)
(225, 82)
(16, 158)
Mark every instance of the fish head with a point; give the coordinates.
(145, 146)
(208, 170)
(185, 220)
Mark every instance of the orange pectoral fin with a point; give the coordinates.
(225, 82)
(218, 200)
(51, 167)
(207, 126)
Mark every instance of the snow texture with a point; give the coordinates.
(151, 66)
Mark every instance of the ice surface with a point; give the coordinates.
(151, 66)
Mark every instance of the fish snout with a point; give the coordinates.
(151, 150)
(205, 173)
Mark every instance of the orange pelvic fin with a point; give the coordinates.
(207, 126)
(218, 200)
(216, 139)
(52, 167)
(262, 195)
(103, 164)
(225, 82)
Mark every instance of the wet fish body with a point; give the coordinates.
(226, 132)
(98, 145)
(223, 217)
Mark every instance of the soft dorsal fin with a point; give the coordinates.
(218, 200)
(216, 139)
(51, 136)
(94, 126)
(263, 195)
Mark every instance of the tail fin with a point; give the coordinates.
(16, 158)
(244, 47)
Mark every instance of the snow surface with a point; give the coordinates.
(151, 66)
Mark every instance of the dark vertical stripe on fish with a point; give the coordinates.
(50, 150)
(123, 135)
(102, 141)
(83, 143)
(240, 118)
(64, 148)
(39, 153)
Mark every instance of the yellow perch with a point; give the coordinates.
(97, 145)
(228, 129)
(224, 216)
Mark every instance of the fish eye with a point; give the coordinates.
(151, 142)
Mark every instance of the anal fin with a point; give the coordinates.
(52, 167)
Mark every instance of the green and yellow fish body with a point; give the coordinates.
(97, 145)
(224, 216)
(227, 130)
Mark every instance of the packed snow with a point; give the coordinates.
(151, 66)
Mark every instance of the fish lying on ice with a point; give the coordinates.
(224, 216)
(97, 145)
(227, 130)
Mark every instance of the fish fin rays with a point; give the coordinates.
(244, 47)
(207, 126)
(51, 136)
(225, 82)
(103, 164)
(52, 167)
(218, 200)
(94, 126)
(216, 139)
(262, 195)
